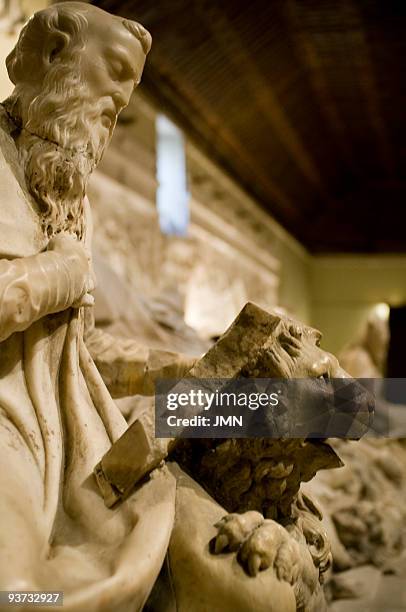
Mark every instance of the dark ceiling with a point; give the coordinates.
(302, 101)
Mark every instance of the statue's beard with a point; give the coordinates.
(59, 148)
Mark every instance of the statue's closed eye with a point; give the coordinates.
(116, 69)
(121, 69)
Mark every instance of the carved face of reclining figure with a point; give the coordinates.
(264, 474)
(293, 351)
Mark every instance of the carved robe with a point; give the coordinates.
(57, 419)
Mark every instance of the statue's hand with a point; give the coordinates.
(261, 543)
(79, 262)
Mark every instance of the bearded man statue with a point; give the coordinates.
(74, 68)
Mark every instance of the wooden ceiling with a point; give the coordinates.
(303, 102)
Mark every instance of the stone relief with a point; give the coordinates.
(364, 503)
(363, 507)
(213, 278)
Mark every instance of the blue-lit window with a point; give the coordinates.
(172, 193)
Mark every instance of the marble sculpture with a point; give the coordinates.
(74, 68)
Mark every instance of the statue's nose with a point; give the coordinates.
(328, 366)
(339, 372)
(119, 100)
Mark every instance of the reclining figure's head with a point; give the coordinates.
(264, 473)
(293, 351)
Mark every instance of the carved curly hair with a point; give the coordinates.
(69, 21)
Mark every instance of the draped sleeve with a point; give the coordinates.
(35, 286)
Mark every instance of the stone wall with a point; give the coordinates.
(233, 251)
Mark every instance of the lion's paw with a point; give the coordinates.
(233, 529)
(262, 543)
(270, 545)
(288, 561)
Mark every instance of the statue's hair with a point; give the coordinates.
(279, 355)
(140, 33)
(69, 21)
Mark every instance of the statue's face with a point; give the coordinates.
(294, 352)
(111, 65)
(314, 361)
(69, 90)
(79, 90)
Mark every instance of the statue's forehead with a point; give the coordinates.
(109, 29)
(92, 13)
(112, 38)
